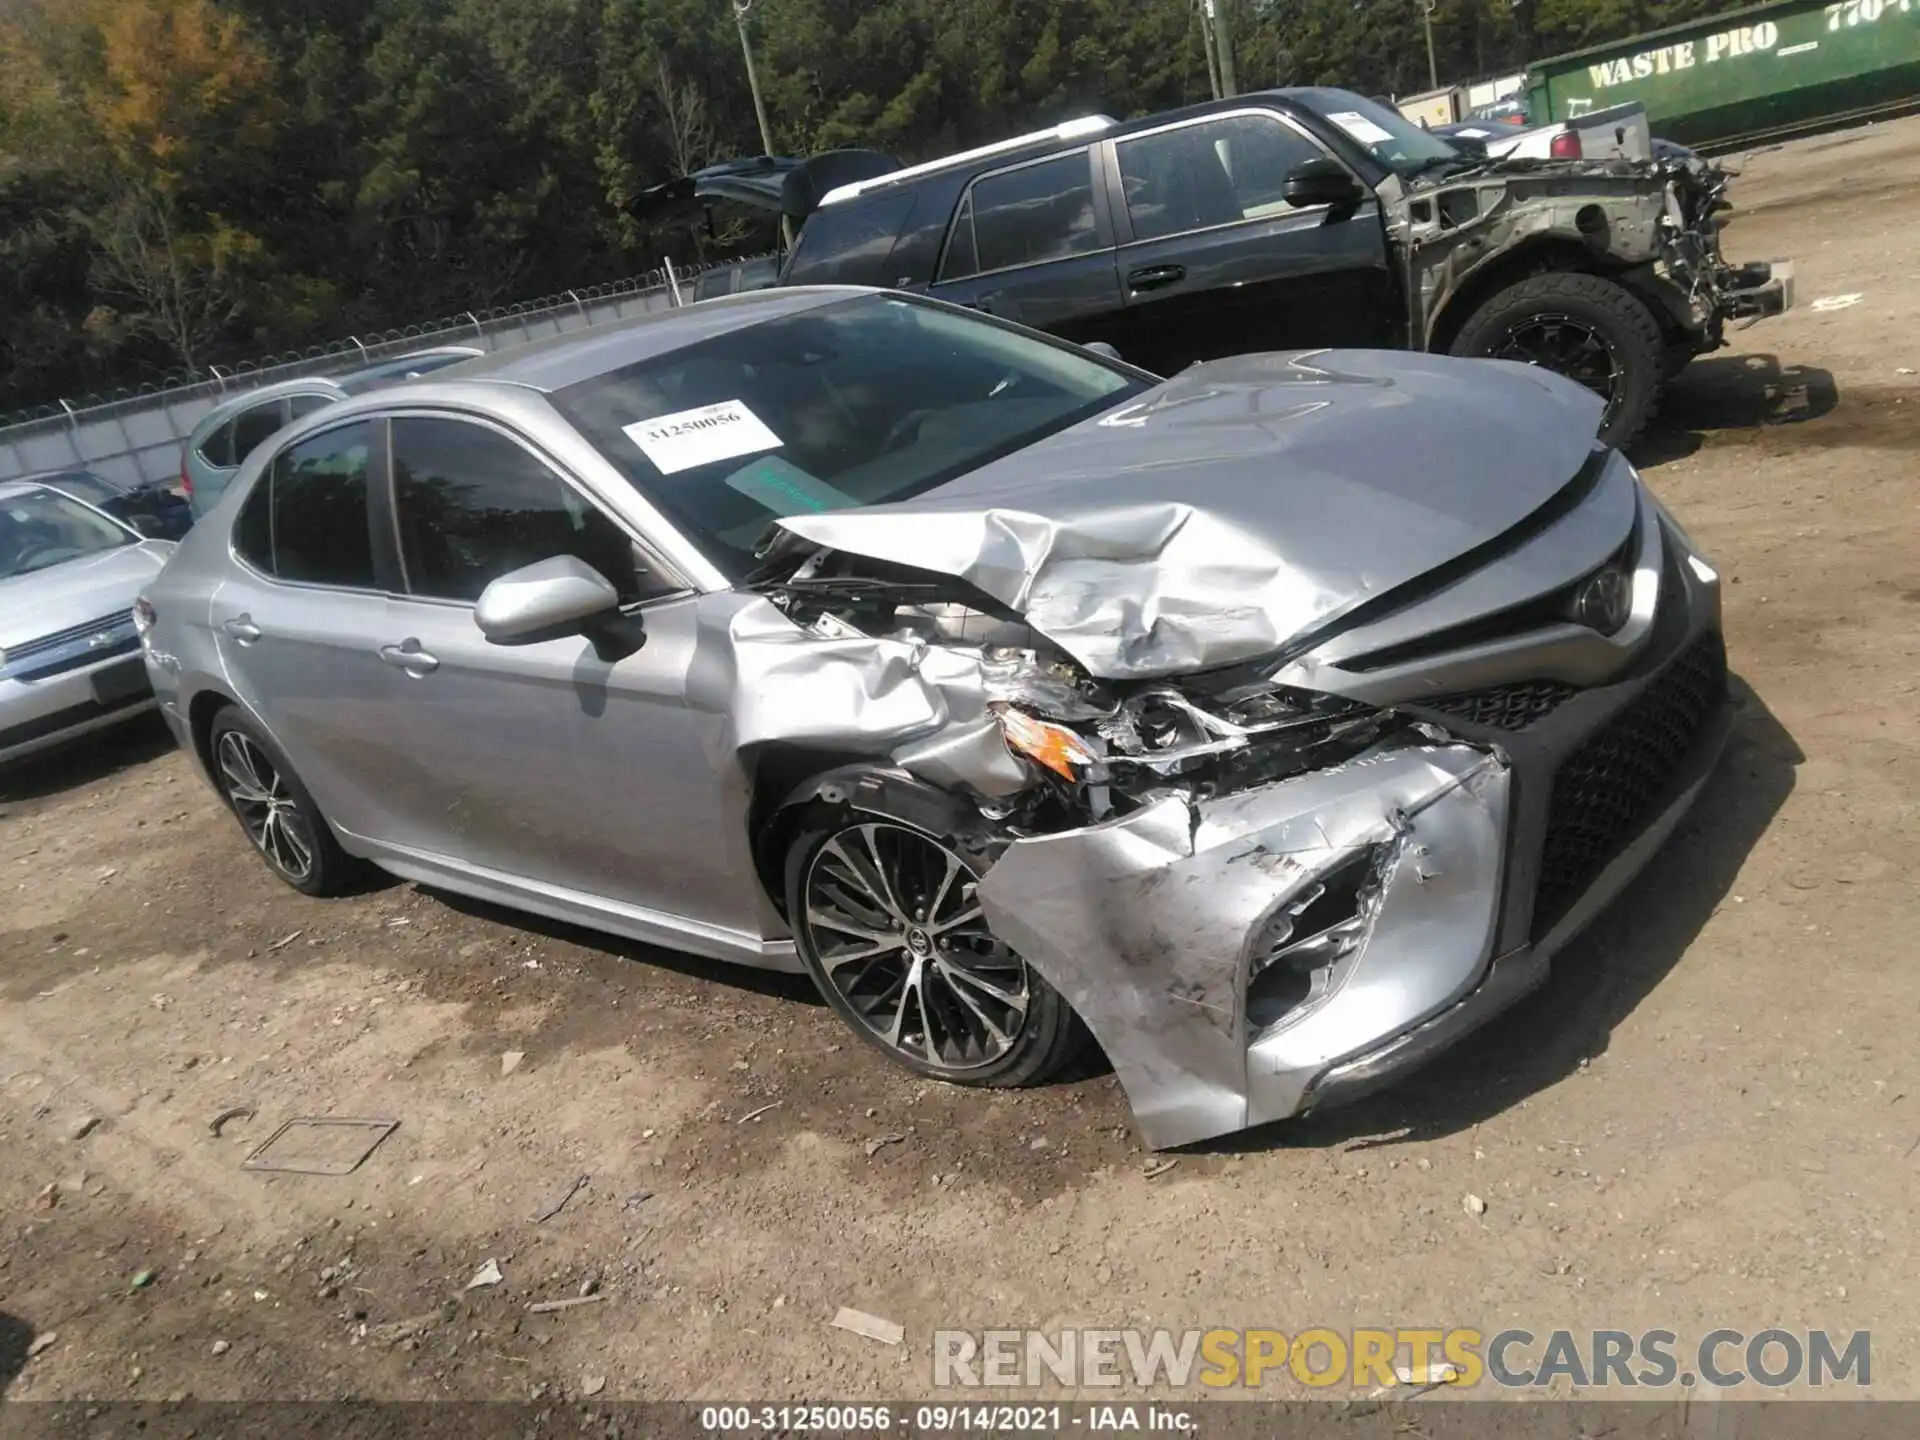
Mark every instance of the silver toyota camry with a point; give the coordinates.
(1275, 723)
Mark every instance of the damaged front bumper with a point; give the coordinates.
(1150, 924)
(1257, 955)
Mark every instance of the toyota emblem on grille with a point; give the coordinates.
(100, 641)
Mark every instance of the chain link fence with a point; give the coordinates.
(134, 436)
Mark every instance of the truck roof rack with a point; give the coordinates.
(1066, 130)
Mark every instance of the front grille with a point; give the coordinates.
(27, 649)
(1507, 707)
(1606, 791)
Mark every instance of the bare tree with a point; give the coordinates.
(182, 286)
(685, 124)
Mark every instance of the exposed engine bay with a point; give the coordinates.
(1092, 748)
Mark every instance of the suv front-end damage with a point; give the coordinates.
(1651, 225)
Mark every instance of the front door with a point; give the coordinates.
(1213, 261)
(1034, 244)
(562, 762)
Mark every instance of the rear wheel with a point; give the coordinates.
(1586, 328)
(274, 808)
(887, 922)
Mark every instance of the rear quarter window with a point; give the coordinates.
(849, 243)
(217, 448)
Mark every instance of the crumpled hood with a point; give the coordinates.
(1231, 509)
(45, 602)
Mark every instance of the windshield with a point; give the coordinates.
(40, 527)
(1387, 135)
(858, 402)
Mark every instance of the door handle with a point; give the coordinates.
(408, 656)
(1153, 277)
(242, 628)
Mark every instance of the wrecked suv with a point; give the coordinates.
(1275, 724)
(1305, 217)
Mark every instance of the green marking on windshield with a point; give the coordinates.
(786, 489)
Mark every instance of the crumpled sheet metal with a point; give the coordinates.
(1228, 510)
(1144, 924)
(923, 706)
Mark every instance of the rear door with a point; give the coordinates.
(298, 623)
(1213, 261)
(1033, 243)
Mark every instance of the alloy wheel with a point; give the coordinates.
(894, 920)
(268, 811)
(1570, 347)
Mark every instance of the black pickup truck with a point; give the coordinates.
(1295, 219)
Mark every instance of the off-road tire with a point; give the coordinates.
(1050, 1037)
(1618, 316)
(332, 871)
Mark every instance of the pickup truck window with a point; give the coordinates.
(1024, 216)
(1212, 172)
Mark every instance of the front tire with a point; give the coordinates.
(1586, 328)
(274, 809)
(886, 920)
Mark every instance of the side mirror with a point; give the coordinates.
(1102, 348)
(546, 599)
(1321, 182)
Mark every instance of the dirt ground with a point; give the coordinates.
(1709, 1117)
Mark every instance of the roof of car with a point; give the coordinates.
(563, 360)
(1071, 134)
(337, 386)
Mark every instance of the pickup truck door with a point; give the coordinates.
(1213, 261)
(1033, 243)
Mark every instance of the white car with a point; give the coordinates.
(69, 655)
(1618, 133)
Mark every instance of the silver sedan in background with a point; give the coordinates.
(1275, 723)
(236, 427)
(69, 655)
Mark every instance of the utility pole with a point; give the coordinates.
(1433, 69)
(1207, 45)
(1222, 28)
(740, 11)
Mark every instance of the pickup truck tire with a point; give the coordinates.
(1585, 327)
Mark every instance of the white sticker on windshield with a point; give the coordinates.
(687, 438)
(1360, 127)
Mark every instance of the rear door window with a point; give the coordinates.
(474, 504)
(318, 523)
(302, 405)
(1026, 216)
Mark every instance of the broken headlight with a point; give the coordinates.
(1052, 746)
(1238, 737)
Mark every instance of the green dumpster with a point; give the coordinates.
(1748, 74)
